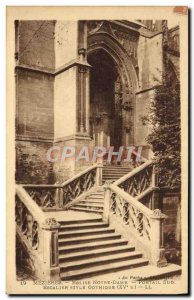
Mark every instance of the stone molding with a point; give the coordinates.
(71, 64)
(78, 136)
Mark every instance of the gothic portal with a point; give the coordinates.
(96, 78)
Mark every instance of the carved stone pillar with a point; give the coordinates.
(81, 95)
(83, 98)
(157, 247)
(83, 80)
(127, 120)
(107, 195)
(50, 249)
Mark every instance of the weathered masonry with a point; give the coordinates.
(89, 83)
(84, 83)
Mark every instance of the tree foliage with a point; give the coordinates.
(164, 118)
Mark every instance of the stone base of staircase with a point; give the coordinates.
(89, 247)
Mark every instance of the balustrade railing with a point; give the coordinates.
(27, 224)
(38, 233)
(144, 224)
(133, 201)
(80, 184)
(138, 180)
(59, 196)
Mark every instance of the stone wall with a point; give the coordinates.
(68, 167)
(36, 44)
(66, 37)
(46, 103)
(32, 166)
(35, 107)
(141, 110)
(65, 108)
(150, 61)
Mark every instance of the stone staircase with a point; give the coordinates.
(91, 247)
(94, 203)
(114, 172)
(87, 246)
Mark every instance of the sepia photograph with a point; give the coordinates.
(98, 204)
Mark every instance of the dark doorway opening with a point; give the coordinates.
(105, 118)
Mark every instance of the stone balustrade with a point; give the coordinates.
(38, 234)
(125, 200)
(60, 196)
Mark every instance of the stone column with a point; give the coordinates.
(83, 97)
(83, 79)
(99, 174)
(157, 244)
(81, 100)
(50, 249)
(107, 195)
(155, 193)
(59, 197)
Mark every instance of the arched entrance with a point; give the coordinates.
(113, 84)
(105, 101)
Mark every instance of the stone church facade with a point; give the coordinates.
(88, 83)
(84, 83)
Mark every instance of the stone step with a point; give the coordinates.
(95, 253)
(104, 269)
(94, 211)
(99, 261)
(81, 221)
(87, 239)
(92, 201)
(86, 232)
(95, 196)
(82, 226)
(90, 205)
(92, 246)
(115, 171)
(107, 168)
(111, 177)
(112, 180)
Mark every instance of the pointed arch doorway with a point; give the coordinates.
(106, 125)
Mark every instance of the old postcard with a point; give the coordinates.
(97, 135)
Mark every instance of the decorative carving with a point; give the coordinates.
(130, 216)
(107, 184)
(136, 218)
(118, 93)
(98, 116)
(51, 222)
(93, 26)
(44, 197)
(78, 186)
(82, 52)
(158, 214)
(127, 105)
(138, 183)
(128, 41)
(100, 26)
(26, 223)
(128, 82)
(82, 69)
